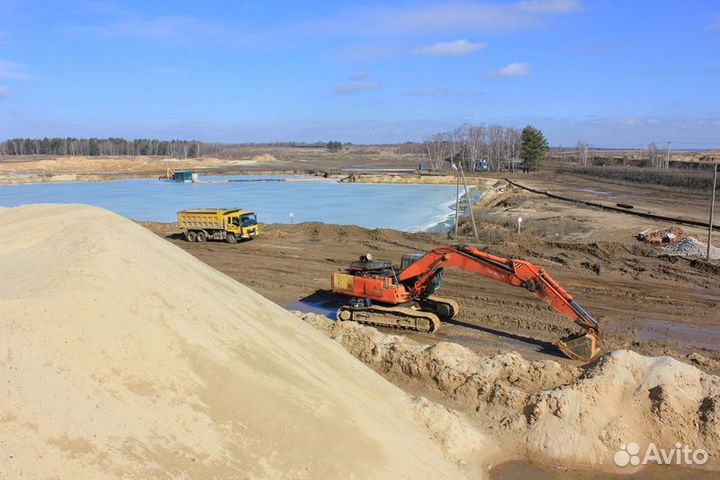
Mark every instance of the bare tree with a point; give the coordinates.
(437, 149)
(654, 157)
(514, 139)
(475, 145)
(495, 147)
(582, 153)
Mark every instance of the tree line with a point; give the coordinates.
(492, 147)
(107, 147)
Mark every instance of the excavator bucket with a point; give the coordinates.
(584, 347)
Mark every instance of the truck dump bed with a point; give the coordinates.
(203, 218)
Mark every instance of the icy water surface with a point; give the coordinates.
(402, 207)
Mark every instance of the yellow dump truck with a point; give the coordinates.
(230, 225)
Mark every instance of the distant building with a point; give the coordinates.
(184, 176)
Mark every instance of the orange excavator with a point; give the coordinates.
(387, 296)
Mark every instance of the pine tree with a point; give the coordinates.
(334, 146)
(534, 147)
(93, 147)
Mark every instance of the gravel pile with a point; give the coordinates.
(692, 248)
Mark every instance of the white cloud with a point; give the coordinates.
(361, 24)
(13, 71)
(458, 47)
(352, 87)
(429, 92)
(549, 6)
(457, 17)
(360, 77)
(3, 91)
(469, 93)
(357, 82)
(172, 29)
(515, 69)
(165, 27)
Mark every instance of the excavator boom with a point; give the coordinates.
(417, 282)
(513, 272)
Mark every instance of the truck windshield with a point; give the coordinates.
(248, 220)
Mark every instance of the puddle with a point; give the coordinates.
(327, 309)
(524, 471)
(661, 330)
(602, 193)
(378, 170)
(705, 296)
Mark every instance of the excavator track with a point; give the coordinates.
(393, 317)
(445, 308)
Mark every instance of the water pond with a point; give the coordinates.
(402, 207)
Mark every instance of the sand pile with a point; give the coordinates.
(550, 412)
(264, 158)
(121, 356)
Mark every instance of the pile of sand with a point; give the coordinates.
(123, 356)
(264, 158)
(545, 411)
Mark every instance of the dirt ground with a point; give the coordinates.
(656, 199)
(650, 303)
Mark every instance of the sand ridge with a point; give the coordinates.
(124, 357)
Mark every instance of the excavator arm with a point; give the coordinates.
(518, 273)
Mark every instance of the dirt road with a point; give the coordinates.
(655, 305)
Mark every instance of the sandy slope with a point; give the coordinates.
(550, 413)
(123, 356)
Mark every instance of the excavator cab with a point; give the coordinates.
(366, 263)
(409, 259)
(433, 284)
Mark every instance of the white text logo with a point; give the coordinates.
(680, 455)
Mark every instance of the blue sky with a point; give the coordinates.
(611, 73)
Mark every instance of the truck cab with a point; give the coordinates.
(242, 223)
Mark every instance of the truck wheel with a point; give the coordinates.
(190, 236)
(201, 236)
(231, 238)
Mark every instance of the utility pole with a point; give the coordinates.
(469, 204)
(712, 211)
(667, 157)
(457, 201)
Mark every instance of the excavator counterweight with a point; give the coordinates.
(404, 297)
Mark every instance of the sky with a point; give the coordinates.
(609, 73)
